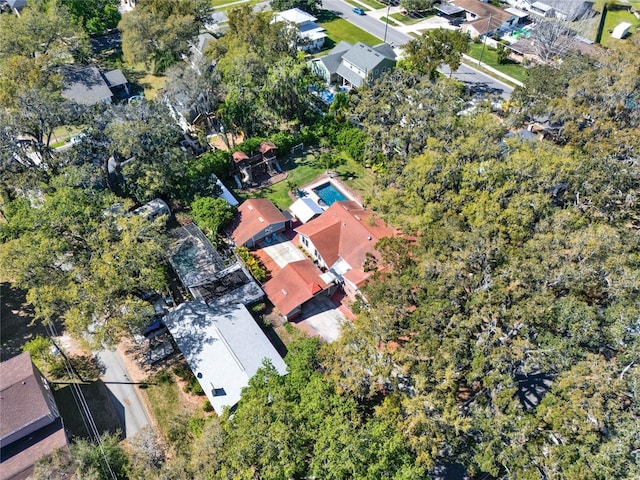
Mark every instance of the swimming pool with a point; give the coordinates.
(329, 194)
(326, 95)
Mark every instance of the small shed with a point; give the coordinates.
(621, 30)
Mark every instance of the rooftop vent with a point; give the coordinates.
(260, 219)
(284, 292)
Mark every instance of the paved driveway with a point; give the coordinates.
(320, 316)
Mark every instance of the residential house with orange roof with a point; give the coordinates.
(342, 240)
(483, 19)
(31, 426)
(258, 219)
(296, 284)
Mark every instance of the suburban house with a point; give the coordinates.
(224, 347)
(297, 283)
(258, 220)
(484, 19)
(342, 241)
(565, 10)
(354, 65)
(31, 426)
(311, 36)
(90, 86)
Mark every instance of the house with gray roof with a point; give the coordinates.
(354, 65)
(90, 86)
(224, 347)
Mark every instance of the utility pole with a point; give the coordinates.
(484, 42)
(386, 23)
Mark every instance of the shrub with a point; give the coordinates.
(196, 425)
(181, 371)
(252, 263)
(207, 407)
(352, 141)
(164, 377)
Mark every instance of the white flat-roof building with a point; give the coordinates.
(621, 30)
(224, 347)
(305, 209)
(310, 34)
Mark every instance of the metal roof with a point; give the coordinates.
(223, 346)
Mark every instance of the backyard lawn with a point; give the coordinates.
(490, 58)
(304, 168)
(339, 29)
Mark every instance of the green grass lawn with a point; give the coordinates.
(615, 17)
(408, 19)
(339, 29)
(490, 58)
(358, 4)
(389, 21)
(167, 403)
(372, 3)
(304, 168)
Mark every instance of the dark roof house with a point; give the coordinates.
(354, 65)
(90, 86)
(31, 426)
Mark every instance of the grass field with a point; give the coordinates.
(389, 21)
(490, 58)
(304, 168)
(406, 19)
(358, 4)
(167, 404)
(613, 18)
(339, 29)
(373, 4)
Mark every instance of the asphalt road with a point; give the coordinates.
(365, 22)
(123, 394)
(475, 80)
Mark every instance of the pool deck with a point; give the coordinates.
(330, 177)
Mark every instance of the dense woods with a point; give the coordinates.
(505, 335)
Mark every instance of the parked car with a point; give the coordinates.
(358, 11)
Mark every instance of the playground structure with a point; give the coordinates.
(250, 171)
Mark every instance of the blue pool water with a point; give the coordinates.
(326, 95)
(329, 194)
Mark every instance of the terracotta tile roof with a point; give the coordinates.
(254, 215)
(482, 9)
(348, 231)
(266, 147)
(295, 284)
(485, 25)
(239, 156)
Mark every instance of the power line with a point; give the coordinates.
(81, 403)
